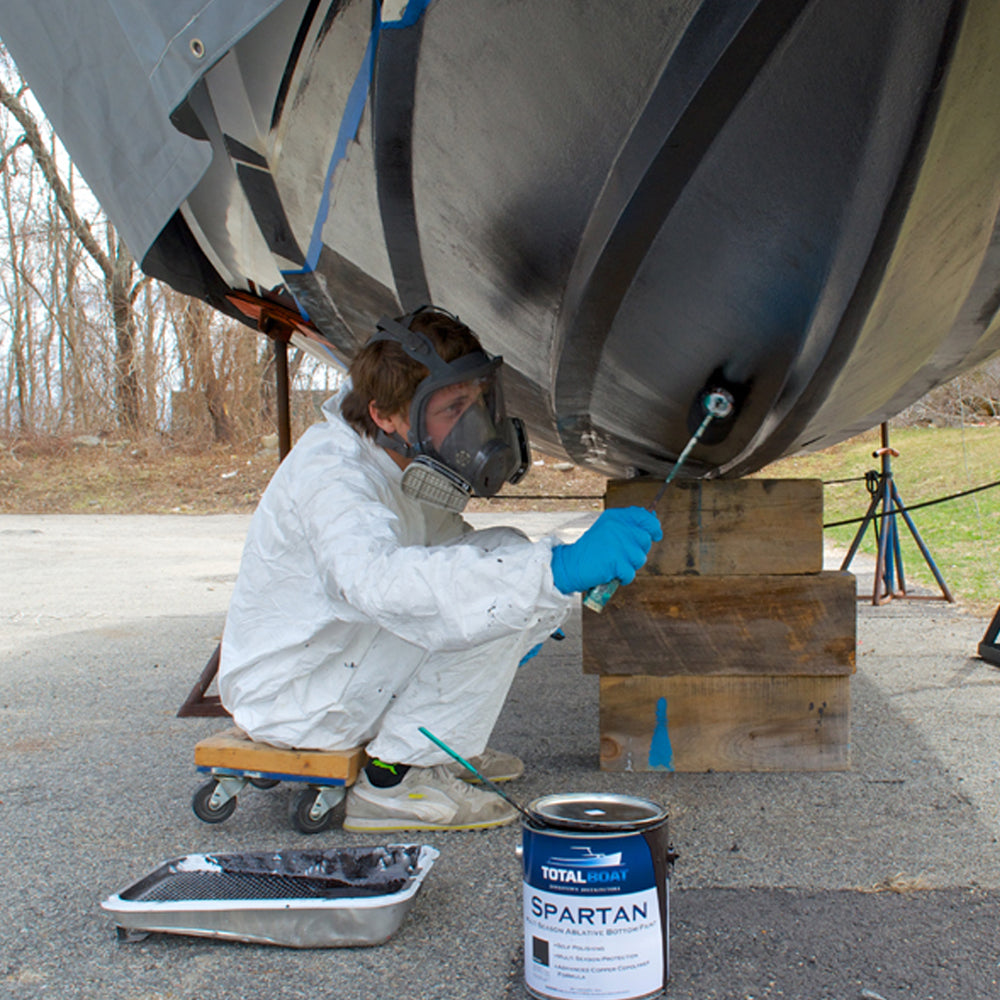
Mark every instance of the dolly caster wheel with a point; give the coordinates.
(311, 811)
(265, 782)
(210, 806)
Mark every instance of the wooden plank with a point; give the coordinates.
(725, 723)
(669, 625)
(234, 749)
(724, 527)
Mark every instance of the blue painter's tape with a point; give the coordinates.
(414, 11)
(351, 121)
(349, 124)
(661, 753)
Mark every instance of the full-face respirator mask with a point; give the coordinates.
(461, 441)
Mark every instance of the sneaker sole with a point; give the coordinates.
(402, 826)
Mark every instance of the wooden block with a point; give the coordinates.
(738, 526)
(235, 750)
(670, 625)
(725, 723)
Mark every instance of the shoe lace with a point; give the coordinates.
(455, 787)
(486, 758)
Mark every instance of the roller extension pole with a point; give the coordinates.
(718, 405)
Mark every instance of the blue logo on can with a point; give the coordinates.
(589, 865)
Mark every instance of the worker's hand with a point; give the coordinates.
(613, 548)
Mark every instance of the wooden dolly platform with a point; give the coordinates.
(234, 761)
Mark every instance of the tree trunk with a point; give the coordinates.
(222, 426)
(117, 265)
(128, 391)
(194, 336)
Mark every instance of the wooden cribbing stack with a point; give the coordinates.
(733, 649)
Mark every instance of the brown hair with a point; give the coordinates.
(383, 373)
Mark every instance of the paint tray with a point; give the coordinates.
(298, 899)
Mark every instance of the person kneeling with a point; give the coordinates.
(365, 607)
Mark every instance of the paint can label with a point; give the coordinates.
(595, 920)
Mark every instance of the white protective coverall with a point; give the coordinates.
(360, 614)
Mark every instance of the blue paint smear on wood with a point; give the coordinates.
(661, 753)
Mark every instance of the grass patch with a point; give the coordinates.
(963, 535)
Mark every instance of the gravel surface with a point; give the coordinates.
(880, 881)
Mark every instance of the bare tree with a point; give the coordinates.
(12, 284)
(972, 397)
(193, 321)
(114, 261)
(88, 344)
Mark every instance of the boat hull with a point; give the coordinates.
(795, 200)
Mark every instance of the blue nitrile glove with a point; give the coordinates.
(530, 655)
(612, 548)
(558, 635)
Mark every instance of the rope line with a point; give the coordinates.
(832, 482)
(917, 506)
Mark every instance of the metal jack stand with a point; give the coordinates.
(885, 505)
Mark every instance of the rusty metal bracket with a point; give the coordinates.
(273, 318)
(279, 323)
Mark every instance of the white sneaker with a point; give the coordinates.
(494, 765)
(428, 798)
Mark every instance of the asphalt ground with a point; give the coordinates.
(880, 881)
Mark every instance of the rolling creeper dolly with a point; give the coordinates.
(234, 761)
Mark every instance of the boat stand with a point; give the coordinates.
(886, 503)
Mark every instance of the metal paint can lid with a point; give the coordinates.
(600, 813)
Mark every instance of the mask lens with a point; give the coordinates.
(445, 408)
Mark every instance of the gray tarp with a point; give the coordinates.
(108, 73)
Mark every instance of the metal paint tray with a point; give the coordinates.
(299, 899)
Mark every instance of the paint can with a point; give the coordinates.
(596, 897)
